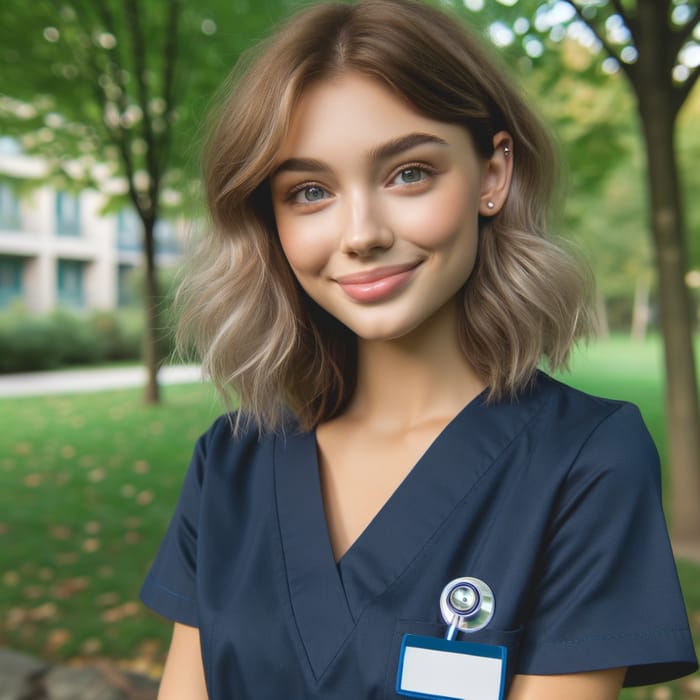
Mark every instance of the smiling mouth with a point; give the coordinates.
(377, 284)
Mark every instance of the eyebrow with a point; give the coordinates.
(385, 151)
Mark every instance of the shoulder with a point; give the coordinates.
(596, 448)
(233, 442)
(597, 434)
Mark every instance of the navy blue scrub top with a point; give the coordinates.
(553, 500)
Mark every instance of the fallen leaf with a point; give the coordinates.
(92, 544)
(91, 646)
(10, 578)
(97, 475)
(144, 498)
(141, 466)
(45, 573)
(56, 639)
(69, 587)
(92, 527)
(33, 591)
(46, 611)
(60, 532)
(105, 599)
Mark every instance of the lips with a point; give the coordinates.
(378, 283)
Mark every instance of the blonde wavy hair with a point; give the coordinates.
(259, 336)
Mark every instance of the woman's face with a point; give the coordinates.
(377, 206)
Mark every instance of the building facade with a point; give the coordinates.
(58, 249)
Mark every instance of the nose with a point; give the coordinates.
(366, 230)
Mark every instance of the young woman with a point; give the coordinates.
(378, 289)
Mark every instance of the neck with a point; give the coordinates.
(423, 376)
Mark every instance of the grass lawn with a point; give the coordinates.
(88, 483)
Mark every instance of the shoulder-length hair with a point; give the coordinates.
(257, 333)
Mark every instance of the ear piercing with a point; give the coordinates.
(490, 204)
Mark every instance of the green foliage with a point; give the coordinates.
(29, 342)
(584, 95)
(121, 85)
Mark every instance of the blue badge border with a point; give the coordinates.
(489, 651)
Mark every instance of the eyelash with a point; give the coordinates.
(424, 168)
(291, 196)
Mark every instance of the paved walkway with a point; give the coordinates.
(87, 380)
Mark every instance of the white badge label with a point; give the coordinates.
(431, 667)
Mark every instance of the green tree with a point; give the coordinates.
(122, 85)
(654, 44)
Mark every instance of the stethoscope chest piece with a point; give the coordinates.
(467, 605)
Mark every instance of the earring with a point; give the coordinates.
(506, 151)
(490, 204)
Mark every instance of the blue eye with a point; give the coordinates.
(310, 194)
(411, 175)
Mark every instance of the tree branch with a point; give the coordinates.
(131, 9)
(609, 48)
(117, 135)
(169, 65)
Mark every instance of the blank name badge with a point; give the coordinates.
(431, 667)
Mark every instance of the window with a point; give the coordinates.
(10, 280)
(67, 214)
(128, 230)
(130, 234)
(9, 209)
(69, 290)
(126, 295)
(166, 238)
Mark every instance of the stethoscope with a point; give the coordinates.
(467, 605)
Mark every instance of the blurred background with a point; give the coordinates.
(102, 105)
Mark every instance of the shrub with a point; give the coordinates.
(31, 342)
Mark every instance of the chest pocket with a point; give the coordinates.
(506, 638)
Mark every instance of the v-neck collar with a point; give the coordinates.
(327, 598)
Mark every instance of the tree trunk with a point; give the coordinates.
(152, 326)
(655, 99)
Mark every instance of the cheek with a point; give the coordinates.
(437, 221)
(306, 248)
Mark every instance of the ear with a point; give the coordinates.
(498, 171)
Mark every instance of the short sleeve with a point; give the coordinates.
(607, 594)
(170, 586)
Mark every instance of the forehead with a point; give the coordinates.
(356, 111)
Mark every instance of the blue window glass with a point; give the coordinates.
(167, 240)
(128, 230)
(67, 214)
(69, 291)
(10, 279)
(9, 209)
(125, 290)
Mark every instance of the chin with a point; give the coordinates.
(379, 332)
